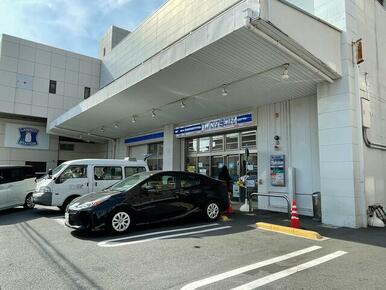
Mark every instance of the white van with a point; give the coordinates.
(17, 183)
(78, 177)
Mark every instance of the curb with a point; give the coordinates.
(289, 231)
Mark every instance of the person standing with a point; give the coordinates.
(224, 176)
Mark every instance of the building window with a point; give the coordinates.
(218, 143)
(192, 145)
(52, 88)
(66, 147)
(204, 144)
(232, 141)
(87, 92)
(155, 160)
(248, 139)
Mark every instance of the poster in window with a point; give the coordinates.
(277, 170)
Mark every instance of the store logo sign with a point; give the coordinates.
(213, 125)
(28, 137)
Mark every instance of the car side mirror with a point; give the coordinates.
(58, 180)
(49, 172)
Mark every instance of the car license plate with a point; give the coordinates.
(66, 217)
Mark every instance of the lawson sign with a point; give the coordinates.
(215, 125)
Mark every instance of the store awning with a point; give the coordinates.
(210, 74)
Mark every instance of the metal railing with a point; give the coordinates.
(279, 195)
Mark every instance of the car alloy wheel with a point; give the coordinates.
(120, 222)
(212, 211)
(29, 202)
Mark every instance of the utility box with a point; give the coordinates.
(366, 113)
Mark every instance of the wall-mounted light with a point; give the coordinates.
(285, 75)
(182, 104)
(153, 114)
(133, 119)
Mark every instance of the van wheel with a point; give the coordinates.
(65, 204)
(29, 202)
(211, 211)
(120, 221)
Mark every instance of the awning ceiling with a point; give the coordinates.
(250, 64)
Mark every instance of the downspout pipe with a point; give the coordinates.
(371, 144)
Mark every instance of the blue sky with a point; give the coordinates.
(75, 25)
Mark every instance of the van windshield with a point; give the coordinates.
(56, 170)
(130, 182)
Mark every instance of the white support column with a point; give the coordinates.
(172, 150)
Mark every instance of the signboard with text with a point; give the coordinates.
(26, 136)
(225, 123)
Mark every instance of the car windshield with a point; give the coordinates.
(131, 181)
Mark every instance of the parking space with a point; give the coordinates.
(188, 254)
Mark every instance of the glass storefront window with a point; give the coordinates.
(203, 165)
(192, 145)
(155, 161)
(217, 143)
(204, 144)
(217, 164)
(248, 139)
(191, 164)
(232, 141)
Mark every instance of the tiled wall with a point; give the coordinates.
(25, 70)
(172, 21)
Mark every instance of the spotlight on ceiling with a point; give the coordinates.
(116, 125)
(224, 91)
(285, 75)
(102, 129)
(153, 114)
(182, 104)
(133, 119)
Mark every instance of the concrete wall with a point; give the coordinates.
(27, 67)
(83, 150)
(367, 20)
(295, 122)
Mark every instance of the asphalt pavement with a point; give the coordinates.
(39, 252)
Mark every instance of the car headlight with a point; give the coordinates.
(89, 204)
(45, 189)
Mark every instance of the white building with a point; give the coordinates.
(200, 81)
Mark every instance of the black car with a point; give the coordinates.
(148, 197)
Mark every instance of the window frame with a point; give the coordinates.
(52, 87)
(111, 167)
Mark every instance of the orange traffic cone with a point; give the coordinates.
(294, 216)
(229, 209)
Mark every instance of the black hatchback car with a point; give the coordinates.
(148, 197)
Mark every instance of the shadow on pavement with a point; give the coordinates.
(19, 214)
(238, 223)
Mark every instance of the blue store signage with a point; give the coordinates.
(158, 135)
(28, 136)
(213, 125)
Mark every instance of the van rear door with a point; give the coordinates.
(4, 187)
(105, 176)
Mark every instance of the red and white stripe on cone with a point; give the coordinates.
(294, 223)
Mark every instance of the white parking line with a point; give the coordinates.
(108, 243)
(103, 243)
(279, 275)
(244, 269)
